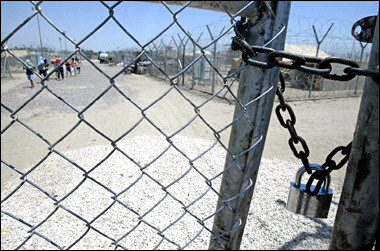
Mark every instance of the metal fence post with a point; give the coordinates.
(360, 63)
(319, 42)
(178, 66)
(165, 56)
(183, 56)
(214, 58)
(156, 56)
(357, 220)
(253, 82)
(193, 68)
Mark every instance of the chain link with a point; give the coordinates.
(328, 167)
(329, 164)
(289, 124)
(299, 62)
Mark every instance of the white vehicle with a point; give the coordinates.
(104, 58)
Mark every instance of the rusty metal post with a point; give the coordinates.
(230, 221)
(357, 220)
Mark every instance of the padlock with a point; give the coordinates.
(300, 202)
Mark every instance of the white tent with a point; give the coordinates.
(197, 53)
(305, 50)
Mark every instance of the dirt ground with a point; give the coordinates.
(324, 124)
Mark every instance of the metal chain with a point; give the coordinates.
(329, 164)
(328, 167)
(299, 62)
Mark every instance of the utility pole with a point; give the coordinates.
(39, 31)
(60, 47)
(64, 34)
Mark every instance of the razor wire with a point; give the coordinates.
(300, 39)
(192, 162)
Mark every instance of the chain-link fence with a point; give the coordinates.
(174, 50)
(131, 194)
(159, 190)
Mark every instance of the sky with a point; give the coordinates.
(145, 20)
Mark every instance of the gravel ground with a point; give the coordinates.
(269, 225)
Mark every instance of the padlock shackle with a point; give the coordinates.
(302, 170)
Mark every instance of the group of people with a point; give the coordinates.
(72, 68)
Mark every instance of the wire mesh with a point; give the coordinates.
(161, 200)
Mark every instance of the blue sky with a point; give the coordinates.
(145, 20)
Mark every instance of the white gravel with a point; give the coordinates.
(269, 224)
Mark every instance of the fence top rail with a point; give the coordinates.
(239, 8)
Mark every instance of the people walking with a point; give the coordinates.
(29, 71)
(59, 72)
(79, 64)
(46, 68)
(43, 67)
(74, 65)
(68, 68)
(53, 61)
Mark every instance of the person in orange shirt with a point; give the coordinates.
(54, 63)
(59, 73)
(74, 65)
